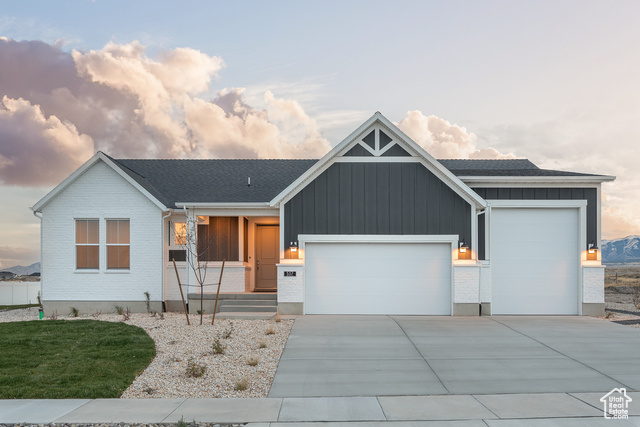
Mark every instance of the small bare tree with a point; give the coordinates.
(197, 247)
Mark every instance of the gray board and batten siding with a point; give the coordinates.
(377, 199)
(588, 194)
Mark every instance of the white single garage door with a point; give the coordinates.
(377, 278)
(534, 261)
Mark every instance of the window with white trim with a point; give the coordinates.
(118, 245)
(87, 244)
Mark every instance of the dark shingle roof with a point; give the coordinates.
(225, 180)
(501, 167)
(214, 181)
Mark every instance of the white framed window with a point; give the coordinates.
(118, 244)
(87, 244)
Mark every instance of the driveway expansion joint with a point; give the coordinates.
(420, 353)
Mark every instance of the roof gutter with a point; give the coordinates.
(586, 179)
(241, 205)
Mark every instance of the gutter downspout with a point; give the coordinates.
(186, 266)
(164, 262)
(41, 265)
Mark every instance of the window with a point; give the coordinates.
(218, 239)
(180, 233)
(117, 244)
(87, 248)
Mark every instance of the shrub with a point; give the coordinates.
(226, 334)
(252, 361)
(242, 384)
(217, 347)
(270, 330)
(119, 309)
(96, 314)
(262, 344)
(147, 301)
(54, 315)
(126, 314)
(195, 369)
(74, 312)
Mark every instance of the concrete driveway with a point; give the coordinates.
(421, 355)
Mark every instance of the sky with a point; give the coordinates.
(552, 81)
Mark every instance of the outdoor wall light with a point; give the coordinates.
(293, 247)
(592, 252)
(593, 248)
(463, 250)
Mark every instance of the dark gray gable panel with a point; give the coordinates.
(377, 198)
(554, 193)
(396, 151)
(370, 139)
(384, 140)
(358, 150)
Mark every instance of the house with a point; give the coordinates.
(377, 226)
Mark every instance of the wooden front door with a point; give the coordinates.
(267, 256)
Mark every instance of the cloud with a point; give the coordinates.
(12, 256)
(121, 101)
(36, 148)
(444, 140)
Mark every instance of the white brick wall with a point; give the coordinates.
(466, 284)
(291, 289)
(101, 193)
(593, 284)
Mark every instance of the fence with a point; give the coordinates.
(16, 293)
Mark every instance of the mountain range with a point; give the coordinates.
(623, 250)
(22, 270)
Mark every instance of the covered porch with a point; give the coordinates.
(247, 240)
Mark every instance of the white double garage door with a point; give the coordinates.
(534, 262)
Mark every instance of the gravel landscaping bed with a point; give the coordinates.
(620, 300)
(179, 346)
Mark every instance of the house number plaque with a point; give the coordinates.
(289, 274)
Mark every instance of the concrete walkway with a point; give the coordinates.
(575, 409)
(426, 355)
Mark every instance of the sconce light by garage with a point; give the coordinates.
(593, 248)
(463, 250)
(293, 247)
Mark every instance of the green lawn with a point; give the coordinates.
(58, 359)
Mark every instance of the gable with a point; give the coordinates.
(377, 144)
(98, 158)
(379, 140)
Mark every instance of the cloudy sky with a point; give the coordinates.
(553, 81)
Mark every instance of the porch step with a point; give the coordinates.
(271, 296)
(248, 308)
(245, 315)
(235, 302)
